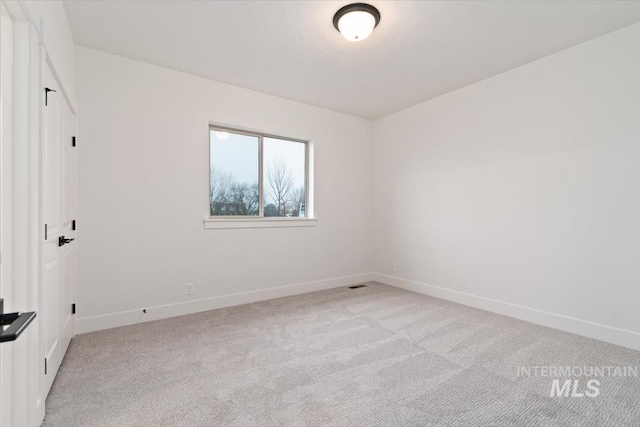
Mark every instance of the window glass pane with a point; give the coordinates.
(284, 178)
(234, 171)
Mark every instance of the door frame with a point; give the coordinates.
(37, 191)
(19, 375)
(30, 54)
(6, 203)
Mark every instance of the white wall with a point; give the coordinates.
(143, 194)
(519, 194)
(523, 188)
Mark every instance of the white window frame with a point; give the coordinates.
(260, 221)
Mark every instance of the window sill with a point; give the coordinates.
(211, 224)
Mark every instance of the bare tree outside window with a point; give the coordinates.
(297, 201)
(236, 186)
(285, 174)
(279, 184)
(229, 197)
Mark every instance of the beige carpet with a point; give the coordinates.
(374, 356)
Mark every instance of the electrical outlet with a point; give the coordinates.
(188, 289)
(393, 268)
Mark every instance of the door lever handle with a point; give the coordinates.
(62, 241)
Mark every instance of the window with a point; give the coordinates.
(254, 175)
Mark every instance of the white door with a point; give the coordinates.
(6, 92)
(58, 281)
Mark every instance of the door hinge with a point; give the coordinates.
(45, 366)
(46, 95)
(73, 141)
(45, 232)
(73, 224)
(73, 308)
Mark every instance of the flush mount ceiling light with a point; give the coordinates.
(356, 21)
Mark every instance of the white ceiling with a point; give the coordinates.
(420, 50)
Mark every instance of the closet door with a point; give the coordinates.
(58, 281)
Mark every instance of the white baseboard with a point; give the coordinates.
(585, 328)
(124, 318)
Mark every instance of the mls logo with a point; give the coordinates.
(592, 389)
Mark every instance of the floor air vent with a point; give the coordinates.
(357, 286)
